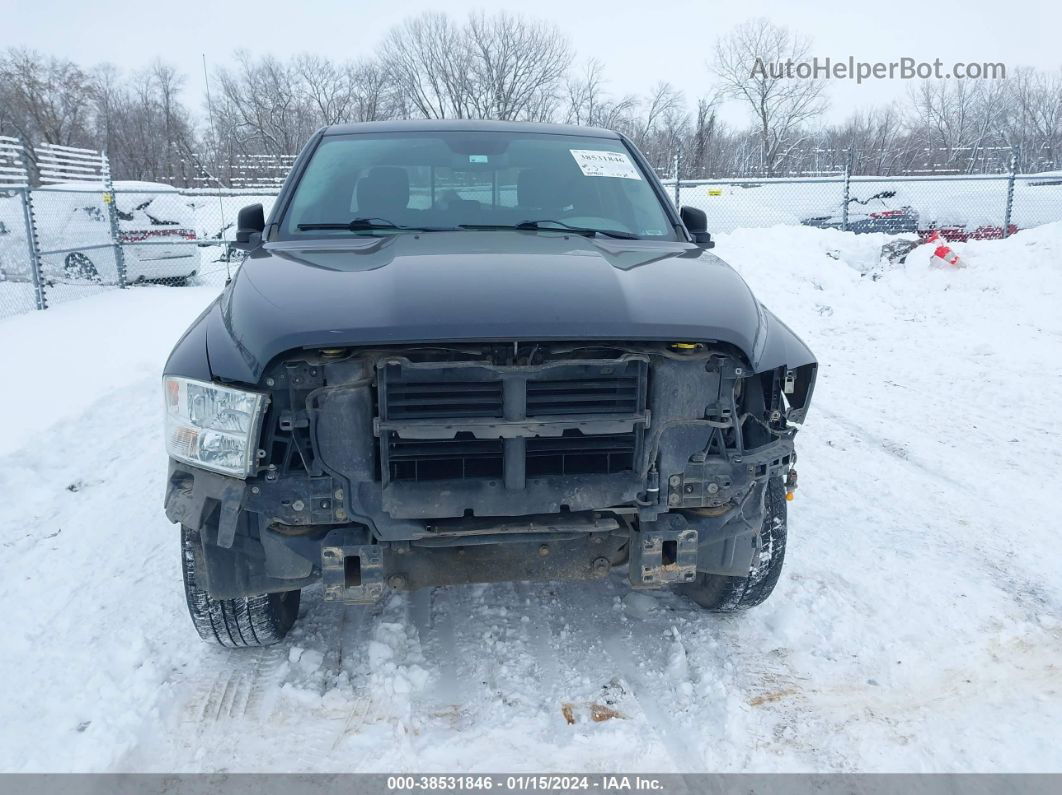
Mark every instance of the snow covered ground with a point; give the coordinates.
(917, 627)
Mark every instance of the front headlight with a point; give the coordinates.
(211, 426)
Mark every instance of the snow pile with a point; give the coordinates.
(916, 626)
(394, 657)
(71, 356)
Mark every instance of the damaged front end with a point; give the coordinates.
(403, 467)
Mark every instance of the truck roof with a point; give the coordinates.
(467, 125)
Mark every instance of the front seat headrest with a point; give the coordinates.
(383, 191)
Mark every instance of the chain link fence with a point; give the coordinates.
(975, 207)
(80, 233)
(81, 241)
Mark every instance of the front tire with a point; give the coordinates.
(723, 594)
(80, 267)
(260, 620)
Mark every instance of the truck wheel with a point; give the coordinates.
(260, 620)
(78, 266)
(724, 594)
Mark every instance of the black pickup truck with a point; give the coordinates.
(466, 352)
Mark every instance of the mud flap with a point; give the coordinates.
(352, 572)
(663, 553)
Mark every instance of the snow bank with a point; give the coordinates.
(70, 356)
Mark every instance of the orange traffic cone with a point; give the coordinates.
(942, 252)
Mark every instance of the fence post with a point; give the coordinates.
(1010, 193)
(33, 249)
(112, 214)
(847, 193)
(39, 297)
(677, 151)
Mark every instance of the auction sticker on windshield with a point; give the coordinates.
(596, 163)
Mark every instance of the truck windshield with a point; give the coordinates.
(380, 184)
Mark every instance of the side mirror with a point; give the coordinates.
(249, 225)
(696, 223)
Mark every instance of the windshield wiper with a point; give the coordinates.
(546, 224)
(580, 230)
(370, 224)
(562, 227)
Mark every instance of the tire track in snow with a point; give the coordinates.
(1028, 593)
(894, 449)
(591, 659)
(542, 637)
(649, 697)
(359, 622)
(451, 684)
(229, 692)
(432, 612)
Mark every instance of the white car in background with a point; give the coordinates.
(12, 236)
(156, 226)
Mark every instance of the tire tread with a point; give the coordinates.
(723, 594)
(259, 620)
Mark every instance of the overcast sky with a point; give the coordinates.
(638, 43)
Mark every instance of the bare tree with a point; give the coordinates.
(941, 111)
(327, 86)
(584, 93)
(334, 93)
(372, 97)
(1032, 122)
(507, 67)
(493, 67)
(263, 106)
(46, 100)
(587, 102)
(141, 121)
(959, 118)
(428, 60)
(699, 161)
(517, 66)
(663, 101)
(746, 62)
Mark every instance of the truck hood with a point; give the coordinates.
(474, 285)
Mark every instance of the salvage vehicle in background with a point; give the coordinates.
(874, 214)
(466, 352)
(12, 237)
(154, 224)
(960, 233)
(890, 212)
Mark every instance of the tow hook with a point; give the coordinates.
(790, 484)
(663, 553)
(352, 571)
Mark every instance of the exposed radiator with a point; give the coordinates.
(437, 399)
(476, 421)
(603, 394)
(443, 459)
